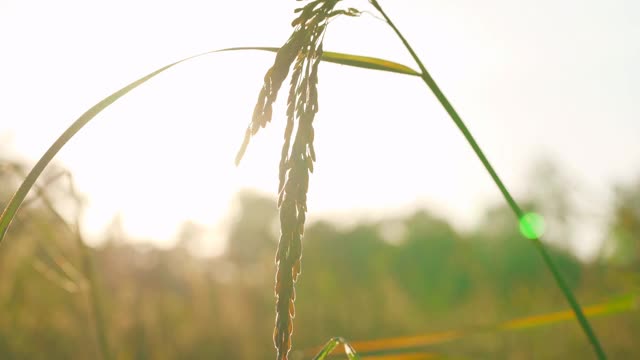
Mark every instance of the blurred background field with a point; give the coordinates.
(393, 276)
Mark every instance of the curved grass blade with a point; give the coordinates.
(11, 209)
(392, 346)
(332, 344)
(430, 82)
(17, 199)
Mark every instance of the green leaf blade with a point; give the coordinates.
(359, 61)
(367, 62)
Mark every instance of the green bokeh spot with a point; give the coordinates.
(532, 225)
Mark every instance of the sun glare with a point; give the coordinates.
(164, 153)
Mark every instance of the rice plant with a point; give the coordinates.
(301, 55)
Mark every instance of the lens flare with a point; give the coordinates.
(532, 225)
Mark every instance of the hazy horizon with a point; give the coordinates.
(536, 81)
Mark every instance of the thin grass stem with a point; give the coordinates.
(88, 270)
(95, 298)
(426, 77)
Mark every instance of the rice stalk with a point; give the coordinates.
(302, 53)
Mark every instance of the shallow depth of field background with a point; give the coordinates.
(407, 233)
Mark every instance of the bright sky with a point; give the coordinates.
(532, 80)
